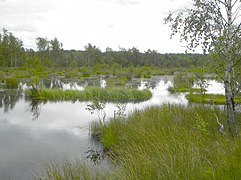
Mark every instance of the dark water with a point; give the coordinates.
(33, 133)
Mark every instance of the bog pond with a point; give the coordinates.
(33, 133)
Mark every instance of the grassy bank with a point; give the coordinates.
(90, 93)
(209, 99)
(172, 142)
(167, 142)
(179, 90)
(76, 170)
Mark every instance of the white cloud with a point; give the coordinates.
(122, 2)
(112, 23)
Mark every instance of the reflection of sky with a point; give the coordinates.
(213, 87)
(23, 148)
(73, 117)
(62, 128)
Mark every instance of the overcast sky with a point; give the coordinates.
(104, 23)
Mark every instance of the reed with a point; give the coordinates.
(109, 94)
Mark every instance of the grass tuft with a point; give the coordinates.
(209, 99)
(172, 142)
(178, 90)
(69, 170)
(90, 93)
(12, 83)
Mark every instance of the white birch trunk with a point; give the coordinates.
(229, 94)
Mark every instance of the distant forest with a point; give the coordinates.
(50, 53)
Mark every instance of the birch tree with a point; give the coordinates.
(215, 26)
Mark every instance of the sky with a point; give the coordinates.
(103, 23)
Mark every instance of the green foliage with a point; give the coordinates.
(110, 136)
(50, 53)
(201, 125)
(183, 80)
(115, 82)
(69, 170)
(172, 142)
(90, 93)
(72, 73)
(12, 83)
(34, 67)
(214, 25)
(85, 72)
(11, 50)
(178, 90)
(99, 130)
(34, 82)
(99, 107)
(146, 72)
(209, 99)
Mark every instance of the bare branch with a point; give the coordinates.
(224, 3)
(219, 11)
(235, 3)
(236, 14)
(237, 30)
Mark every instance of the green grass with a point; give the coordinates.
(209, 99)
(109, 94)
(178, 90)
(69, 171)
(172, 142)
(12, 83)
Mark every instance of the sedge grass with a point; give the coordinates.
(89, 93)
(173, 142)
(209, 99)
(67, 170)
(178, 90)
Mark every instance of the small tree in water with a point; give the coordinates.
(215, 25)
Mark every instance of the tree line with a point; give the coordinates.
(50, 53)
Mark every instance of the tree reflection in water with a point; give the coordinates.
(9, 98)
(35, 108)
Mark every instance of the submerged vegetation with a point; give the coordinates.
(108, 94)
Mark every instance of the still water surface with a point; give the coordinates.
(60, 130)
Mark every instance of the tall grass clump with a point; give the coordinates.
(172, 142)
(69, 170)
(90, 93)
(12, 83)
